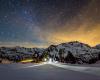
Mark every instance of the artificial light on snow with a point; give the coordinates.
(50, 60)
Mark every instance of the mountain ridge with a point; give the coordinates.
(80, 52)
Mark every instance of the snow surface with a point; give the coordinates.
(47, 71)
(85, 69)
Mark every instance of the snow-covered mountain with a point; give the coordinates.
(75, 47)
(78, 50)
(62, 52)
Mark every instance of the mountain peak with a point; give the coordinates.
(75, 44)
(97, 46)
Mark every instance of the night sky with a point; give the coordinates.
(40, 23)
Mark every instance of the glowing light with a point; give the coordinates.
(45, 59)
(28, 60)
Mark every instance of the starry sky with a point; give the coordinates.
(40, 23)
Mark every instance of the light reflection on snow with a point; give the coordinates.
(50, 61)
(90, 70)
(36, 65)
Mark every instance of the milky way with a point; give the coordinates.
(40, 23)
